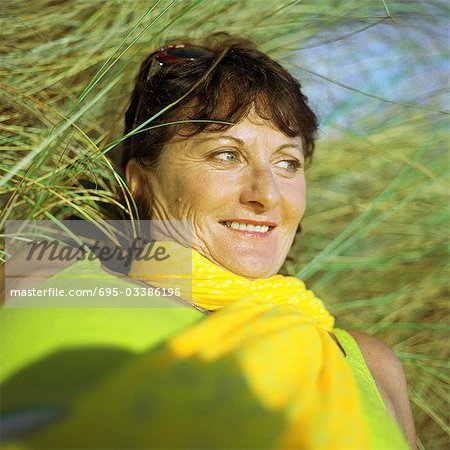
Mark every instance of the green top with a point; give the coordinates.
(83, 363)
(31, 333)
(384, 432)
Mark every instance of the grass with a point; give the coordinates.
(374, 242)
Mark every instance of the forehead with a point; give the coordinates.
(249, 129)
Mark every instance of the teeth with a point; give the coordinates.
(248, 227)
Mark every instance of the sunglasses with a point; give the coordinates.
(178, 53)
(172, 54)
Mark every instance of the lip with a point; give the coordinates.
(250, 222)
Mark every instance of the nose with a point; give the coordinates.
(260, 189)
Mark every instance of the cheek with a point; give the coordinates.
(196, 194)
(295, 202)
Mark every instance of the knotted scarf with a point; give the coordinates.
(280, 334)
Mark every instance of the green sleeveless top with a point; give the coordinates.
(53, 358)
(384, 432)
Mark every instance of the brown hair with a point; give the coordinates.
(244, 78)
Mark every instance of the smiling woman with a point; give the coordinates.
(230, 132)
(246, 219)
(235, 173)
(250, 132)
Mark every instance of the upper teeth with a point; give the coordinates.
(248, 227)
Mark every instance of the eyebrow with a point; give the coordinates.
(241, 142)
(230, 138)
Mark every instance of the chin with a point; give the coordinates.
(252, 268)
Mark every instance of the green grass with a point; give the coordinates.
(374, 241)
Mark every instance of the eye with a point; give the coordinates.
(227, 156)
(292, 165)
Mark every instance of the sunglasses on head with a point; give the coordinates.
(178, 53)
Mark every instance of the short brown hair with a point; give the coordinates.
(244, 78)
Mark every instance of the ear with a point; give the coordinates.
(135, 178)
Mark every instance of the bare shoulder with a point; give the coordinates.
(33, 269)
(387, 371)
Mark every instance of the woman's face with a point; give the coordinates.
(242, 190)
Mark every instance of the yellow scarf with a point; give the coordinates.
(279, 331)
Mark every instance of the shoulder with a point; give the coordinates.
(27, 270)
(387, 371)
(377, 353)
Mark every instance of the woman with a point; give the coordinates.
(241, 186)
(217, 136)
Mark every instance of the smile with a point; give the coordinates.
(248, 227)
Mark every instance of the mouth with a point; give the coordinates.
(249, 226)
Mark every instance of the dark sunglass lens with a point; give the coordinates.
(190, 52)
